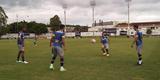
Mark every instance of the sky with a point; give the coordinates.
(79, 11)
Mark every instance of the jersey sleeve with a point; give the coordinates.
(63, 35)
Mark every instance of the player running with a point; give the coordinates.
(138, 40)
(20, 43)
(58, 43)
(105, 44)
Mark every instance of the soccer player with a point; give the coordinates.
(105, 44)
(35, 41)
(58, 44)
(20, 43)
(138, 40)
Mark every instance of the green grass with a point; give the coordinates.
(83, 61)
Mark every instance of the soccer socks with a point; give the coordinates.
(139, 56)
(53, 59)
(62, 61)
(22, 55)
(107, 51)
(103, 50)
(19, 54)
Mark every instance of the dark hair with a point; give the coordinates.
(61, 26)
(135, 26)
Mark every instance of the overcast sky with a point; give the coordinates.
(79, 11)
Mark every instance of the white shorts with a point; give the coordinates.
(106, 46)
(21, 47)
(56, 50)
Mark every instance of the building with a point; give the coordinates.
(121, 28)
(3, 17)
(143, 27)
(98, 27)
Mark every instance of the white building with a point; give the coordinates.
(122, 27)
(98, 27)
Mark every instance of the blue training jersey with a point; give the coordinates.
(139, 40)
(104, 39)
(57, 38)
(20, 40)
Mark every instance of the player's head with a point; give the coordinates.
(104, 34)
(61, 27)
(135, 27)
(23, 29)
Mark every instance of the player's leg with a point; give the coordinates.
(107, 49)
(54, 56)
(19, 54)
(139, 52)
(61, 54)
(22, 55)
(103, 49)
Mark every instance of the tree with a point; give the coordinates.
(3, 30)
(149, 32)
(55, 22)
(3, 18)
(32, 27)
(16, 27)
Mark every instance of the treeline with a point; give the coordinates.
(32, 27)
(38, 28)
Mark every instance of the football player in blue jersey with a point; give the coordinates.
(105, 44)
(20, 43)
(57, 43)
(138, 41)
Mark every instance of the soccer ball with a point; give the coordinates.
(93, 40)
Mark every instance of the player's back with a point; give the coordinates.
(20, 39)
(104, 39)
(58, 38)
(139, 39)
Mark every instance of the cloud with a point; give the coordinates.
(79, 11)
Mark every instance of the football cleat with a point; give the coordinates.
(25, 62)
(51, 67)
(62, 69)
(104, 54)
(107, 55)
(139, 62)
(19, 61)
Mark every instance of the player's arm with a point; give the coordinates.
(51, 40)
(135, 39)
(20, 36)
(108, 40)
(63, 42)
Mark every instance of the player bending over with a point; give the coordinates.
(138, 40)
(105, 44)
(20, 43)
(58, 43)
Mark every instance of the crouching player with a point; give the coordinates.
(105, 44)
(138, 40)
(20, 43)
(58, 43)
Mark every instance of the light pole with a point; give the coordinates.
(93, 4)
(128, 2)
(65, 8)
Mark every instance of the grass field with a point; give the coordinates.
(83, 61)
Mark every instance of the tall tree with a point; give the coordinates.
(3, 31)
(3, 17)
(55, 22)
